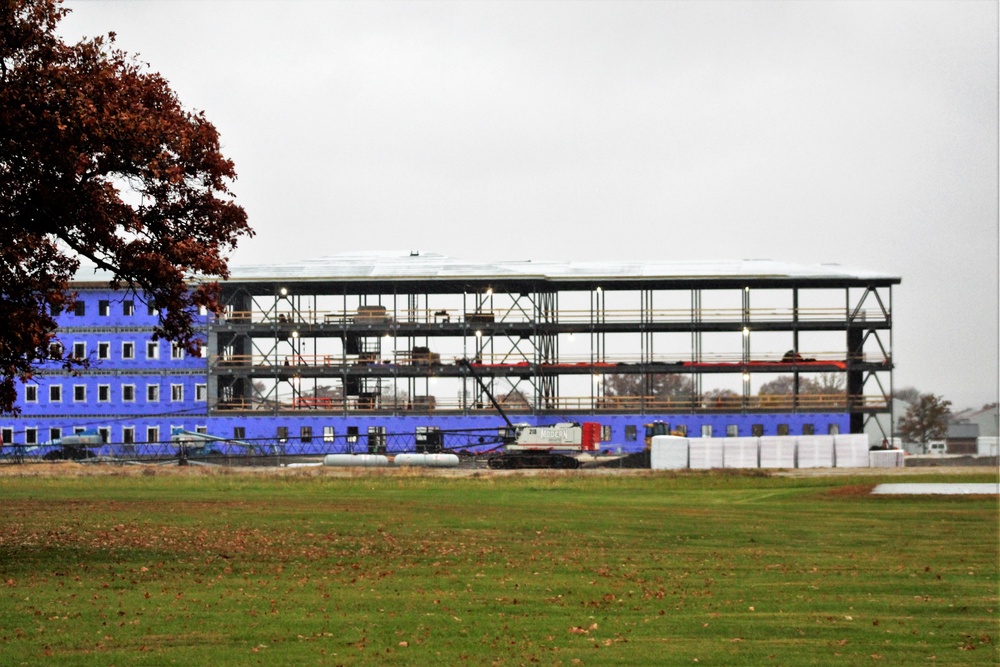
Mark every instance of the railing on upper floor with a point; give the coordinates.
(827, 402)
(421, 358)
(567, 316)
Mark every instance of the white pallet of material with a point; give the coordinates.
(668, 452)
(740, 453)
(886, 458)
(777, 451)
(706, 453)
(850, 450)
(815, 451)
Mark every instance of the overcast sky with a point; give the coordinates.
(859, 133)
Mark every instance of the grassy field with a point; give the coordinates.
(401, 569)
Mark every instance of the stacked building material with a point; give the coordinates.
(669, 453)
(850, 450)
(815, 451)
(741, 453)
(777, 451)
(886, 458)
(705, 453)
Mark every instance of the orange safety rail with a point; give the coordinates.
(317, 403)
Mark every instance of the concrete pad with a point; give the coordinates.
(988, 488)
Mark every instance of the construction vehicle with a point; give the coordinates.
(655, 428)
(75, 447)
(526, 446)
(661, 428)
(195, 445)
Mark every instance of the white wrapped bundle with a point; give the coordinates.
(669, 452)
(740, 453)
(815, 451)
(886, 458)
(850, 450)
(777, 451)
(706, 453)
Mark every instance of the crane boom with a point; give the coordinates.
(486, 390)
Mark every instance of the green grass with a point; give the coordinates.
(552, 570)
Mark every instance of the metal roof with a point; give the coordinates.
(378, 267)
(430, 266)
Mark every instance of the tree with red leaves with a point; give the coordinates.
(98, 160)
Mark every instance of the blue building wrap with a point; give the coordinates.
(137, 390)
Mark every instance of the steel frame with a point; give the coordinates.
(516, 327)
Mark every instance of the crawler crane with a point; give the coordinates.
(527, 446)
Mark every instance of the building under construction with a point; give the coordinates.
(346, 351)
